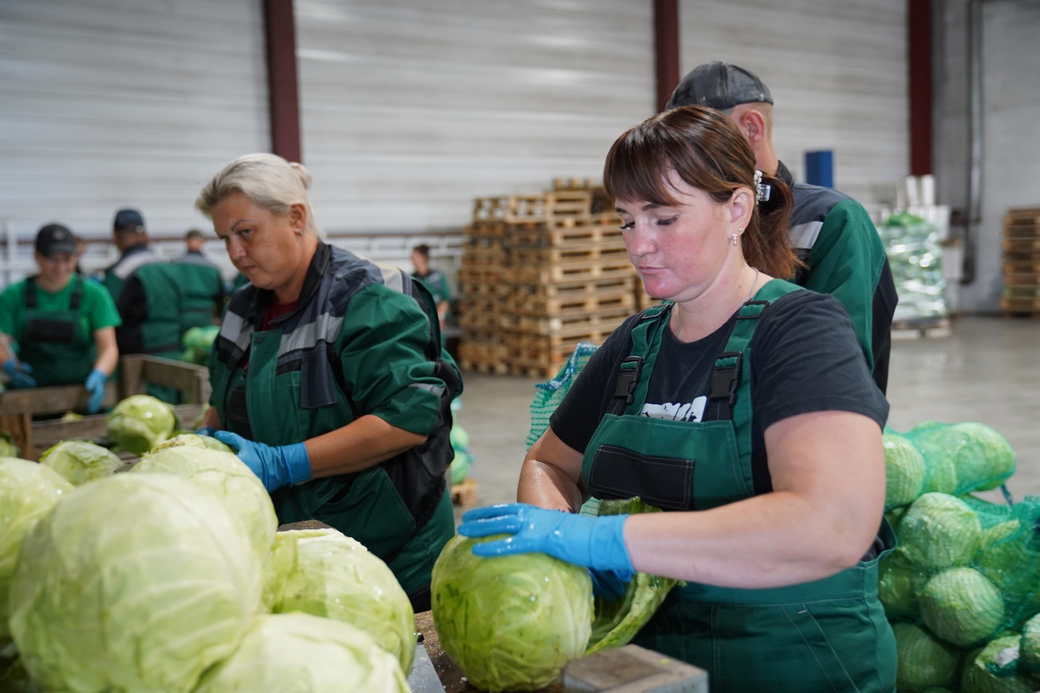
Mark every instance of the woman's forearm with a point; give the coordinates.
(770, 540)
(107, 351)
(547, 486)
(361, 444)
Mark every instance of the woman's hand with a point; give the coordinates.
(594, 542)
(18, 373)
(276, 466)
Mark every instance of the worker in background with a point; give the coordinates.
(328, 375)
(63, 324)
(194, 241)
(831, 233)
(131, 239)
(434, 280)
(743, 408)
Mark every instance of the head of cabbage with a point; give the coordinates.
(229, 480)
(325, 573)
(79, 461)
(300, 652)
(510, 622)
(140, 422)
(193, 440)
(28, 491)
(135, 582)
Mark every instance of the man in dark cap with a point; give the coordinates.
(131, 238)
(830, 232)
(194, 241)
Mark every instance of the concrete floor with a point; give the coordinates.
(987, 370)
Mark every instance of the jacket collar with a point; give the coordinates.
(783, 174)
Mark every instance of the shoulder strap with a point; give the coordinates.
(630, 370)
(77, 293)
(31, 298)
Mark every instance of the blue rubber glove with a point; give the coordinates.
(95, 385)
(276, 466)
(19, 373)
(593, 542)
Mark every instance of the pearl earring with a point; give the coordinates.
(734, 239)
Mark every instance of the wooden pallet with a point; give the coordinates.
(1022, 246)
(581, 270)
(1021, 307)
(464, 494)
(578, 231)
(571, 323)
(1023, 215)
(525, 302)
(1022, 292)
(610, 253)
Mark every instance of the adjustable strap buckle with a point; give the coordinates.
(725, 377)
(629, 371)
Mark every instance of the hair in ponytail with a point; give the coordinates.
(708, 152)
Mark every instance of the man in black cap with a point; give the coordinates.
(194, 241)
(63, 325)
(130, 237)
(830, 232)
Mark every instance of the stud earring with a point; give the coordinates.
(734, 239)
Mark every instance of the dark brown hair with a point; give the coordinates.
(708, 152)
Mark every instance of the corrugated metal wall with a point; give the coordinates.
(409, 110)
(838, 74)
(108, 103)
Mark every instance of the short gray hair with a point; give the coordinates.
(267, 179)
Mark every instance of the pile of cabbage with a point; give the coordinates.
(198, 342)
(961, 589)
(171, 577)
(511, 623)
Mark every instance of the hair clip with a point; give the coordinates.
(762, 190)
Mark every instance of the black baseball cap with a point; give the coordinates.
(127, 217)
(720, 86)
(53, 239)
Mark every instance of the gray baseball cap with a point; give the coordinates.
(720, 86)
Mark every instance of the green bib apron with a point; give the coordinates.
(56, 344)
(827, 635)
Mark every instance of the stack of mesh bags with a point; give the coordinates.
(961, 589)
(915, 257)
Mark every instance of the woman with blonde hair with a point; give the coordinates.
(328, 376)
(743, 407)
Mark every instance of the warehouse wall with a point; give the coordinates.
(108, 103)
(409, 110)
(838, 75)
(1011, 107)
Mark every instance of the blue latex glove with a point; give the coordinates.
(19, 373)
(593, 542)
(95, 385)
(277, 466)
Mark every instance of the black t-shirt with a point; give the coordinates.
(804, 358)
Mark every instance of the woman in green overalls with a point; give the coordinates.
(64, 325)
(742, 406)
(328, 376)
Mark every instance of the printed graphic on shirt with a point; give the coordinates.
(677, 411)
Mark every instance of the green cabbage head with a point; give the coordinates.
(1029, 645)
(135, 582)
(979, 675)
(904, 471)
(962, 607)
(510, 622)
(79, 461)
(922, 660)
(193, 440)
(28, 491)
(940, 531)
(7, 446)
(325, 573)
(140, 422)
(229, 480)
(306, 654)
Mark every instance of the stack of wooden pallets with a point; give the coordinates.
(541, 273)
(1022, 261)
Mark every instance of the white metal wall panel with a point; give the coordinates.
(409, 109)
(837, 72)
(1011, 138)
(111, 103)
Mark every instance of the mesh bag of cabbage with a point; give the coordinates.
(548, 395)
(966, 574)
(962, 457)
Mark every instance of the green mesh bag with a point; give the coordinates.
(548, 395)
(963, 457)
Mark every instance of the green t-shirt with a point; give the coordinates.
(96, 311)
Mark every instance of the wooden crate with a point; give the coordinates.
(17, 407)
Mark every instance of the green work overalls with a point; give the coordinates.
(57, 344)
(399, 509)
(827, 635)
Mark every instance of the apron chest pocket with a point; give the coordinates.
(666, 482)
